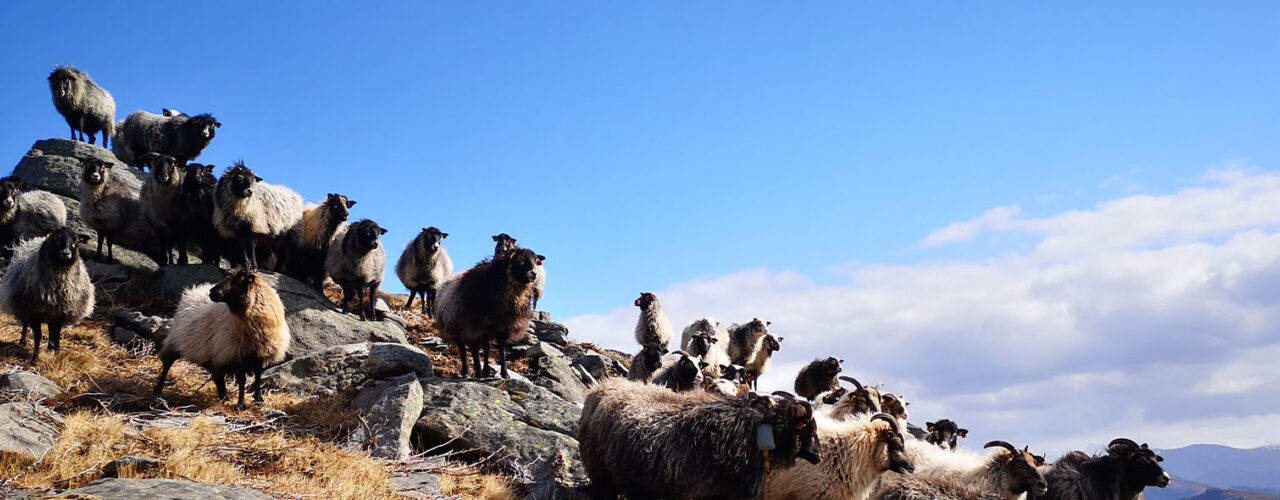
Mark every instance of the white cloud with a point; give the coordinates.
(1149, 316)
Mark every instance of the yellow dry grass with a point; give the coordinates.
(468, 483)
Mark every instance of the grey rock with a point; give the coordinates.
(388, 410)
(554, 333)
(323, 373)
(389, 359)
(542, 316)
(138, 322)
(161, 489)
(418, 481)
(434, 344)
(29, 382)
(543, 349)
(557, 374)
(28, 429)
(54, 165)
(314, 322)
(595, 363)
(130, 462)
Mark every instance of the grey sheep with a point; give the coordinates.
(487, 304)
(744, 338)
(180, 136)
(28, 214)
(356, 262)
(253, 213)
(106, 205)
(817, 377)
(47, 283)
(306, 245)
(160, 203)
(424, 266)
(652, 327)
(649, 442)
(87, 108)
(646, 363)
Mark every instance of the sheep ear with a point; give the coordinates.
(928, 426)
(962, 432)
(351, 203)
(217, 124)
(83, 239)
(637, 302)
(382, 231)
(444, 235)
(257, 179)
(495, 238)
(208, 169)
(703, 364)
(714, 340)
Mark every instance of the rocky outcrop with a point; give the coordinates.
(322, 373)
(160, 489)
(388, 410)
(29, 383)
(27, 429)
(54, 165)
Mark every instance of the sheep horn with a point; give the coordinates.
(784, 395)
(1003, 444)
(852, 380)
(1122, 441)
(887, 418)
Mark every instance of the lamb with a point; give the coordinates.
(487, 303)
(180, 136)
(503, 245)
(943, 433)
(356, 262)
(817, 377)
(27, 215)
(106, 205)
(1007, 474)
(645, 363)
(305, 245)
(47, 283)
(236, 327)
(159, 202)
(253, 212)
(424, 266)
(653, 327)
(735, 373)
(86, 106)
(762, 357)
(1120, 474)
(540, 284)
(744, 338)
(682, 373)
(650, 442)
(856, 453)
(195, 215)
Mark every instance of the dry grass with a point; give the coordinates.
(469, 482)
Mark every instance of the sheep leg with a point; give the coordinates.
(22, 342)
(475, 361)
(166, 361)
(111, 249)
(429, 304)
(462, 356)
(73, 132)
(360, 304)
(100, 237)
(35, 347)
(257, 384)
(373, 303)
(182, 252)
(55, 336)
(346, 299)
(409, 303)
(240, 382)
(502, 358)
(220, 383)
(253, 253)
(487, 367)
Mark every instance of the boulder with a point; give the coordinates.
(388, 410)
(323, 373)
(314, 322)
(548, 331)
(596, 364)
(54, 165)
(28, 429)
(160, 489)
(417, 481)
(135, 330)
(29, 382)
(130, 463)
(390, 359)
(555, 372)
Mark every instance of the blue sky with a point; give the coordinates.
(734, 154)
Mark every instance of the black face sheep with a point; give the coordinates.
(488, 303)
(304, 247)
(653, 327)
(817, 377)
(716, 338)
(106, 205)
(424, 266)
(539, 284)
(160, 202)
(735, 373)
(1006, 473)
(855, 453)
(649, 442)
(170, 113)
(252, 212)
(27, 215)
(762, 357)
(47, 283)
(180, 136)
(356, 262)
(236, 327)
(943, 433)
(744, 338)
(86, 106)
(196, 217)
(645, 363)
(682, 373)
(503, 245)
(1119, 474)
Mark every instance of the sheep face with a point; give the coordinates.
(772, 344)
(503, 244)
(758, 325)
(338, 206)
(163, 167)
(895, 445)
(943, 433)
(233, 290)
(830, 367)
(736, 373)
(204, 127)
(95, 171)
(198, 181)
(651, 356)
(240, 180)
(366, 233)
(700, 344)
(646, 301)
(61, 247)
(1020, 467)
(686, 372)
(430, 239)
(1141, 464)
(521, 268)
(894, 405)
(65, 82)
(9, 193)
(861, 399)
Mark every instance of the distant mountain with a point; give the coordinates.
(1219, 494)
(1182, 489)
(1254, 470)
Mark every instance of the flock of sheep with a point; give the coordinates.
(683, 424)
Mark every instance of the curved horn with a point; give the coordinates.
(1122, 441)
(1003, 444)
(887, 418)
(784, 395)
(852, 380)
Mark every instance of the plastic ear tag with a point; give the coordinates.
(764, 437)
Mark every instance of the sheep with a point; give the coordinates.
(182, 137)
(86, 106)
(236, 327)
(106, 205)
(356, 262)
(305, 245)
(653, 327)
(503, 245)
(159, 202)
(855, 454)
(735, 373)
(708, 326)
(424, 266)
(253, 212)
(27, 215)
(943, 433)
(1007, 473)
(170, 113)
(540, 284)
(195, 215)
(817, 377)
(681, 372)
(487, 303)
(650, 442)
(858, 401)
(744, 338)
(894, 405)
(645, 363)
(47, 283)
(762, 357)
(1120, 474)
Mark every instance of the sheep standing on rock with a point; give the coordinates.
(47, 283)
(182, 137)
(106, 204)
(653, 327)
(424, 266)
(356, 262)
(817, 377)
(540, 284)
(744, 339)
(195, 215)
(488, 303)
(159, 203)
(306, 245)
(233, 327)
(253, 213)
(27, 215)
(86, 106)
